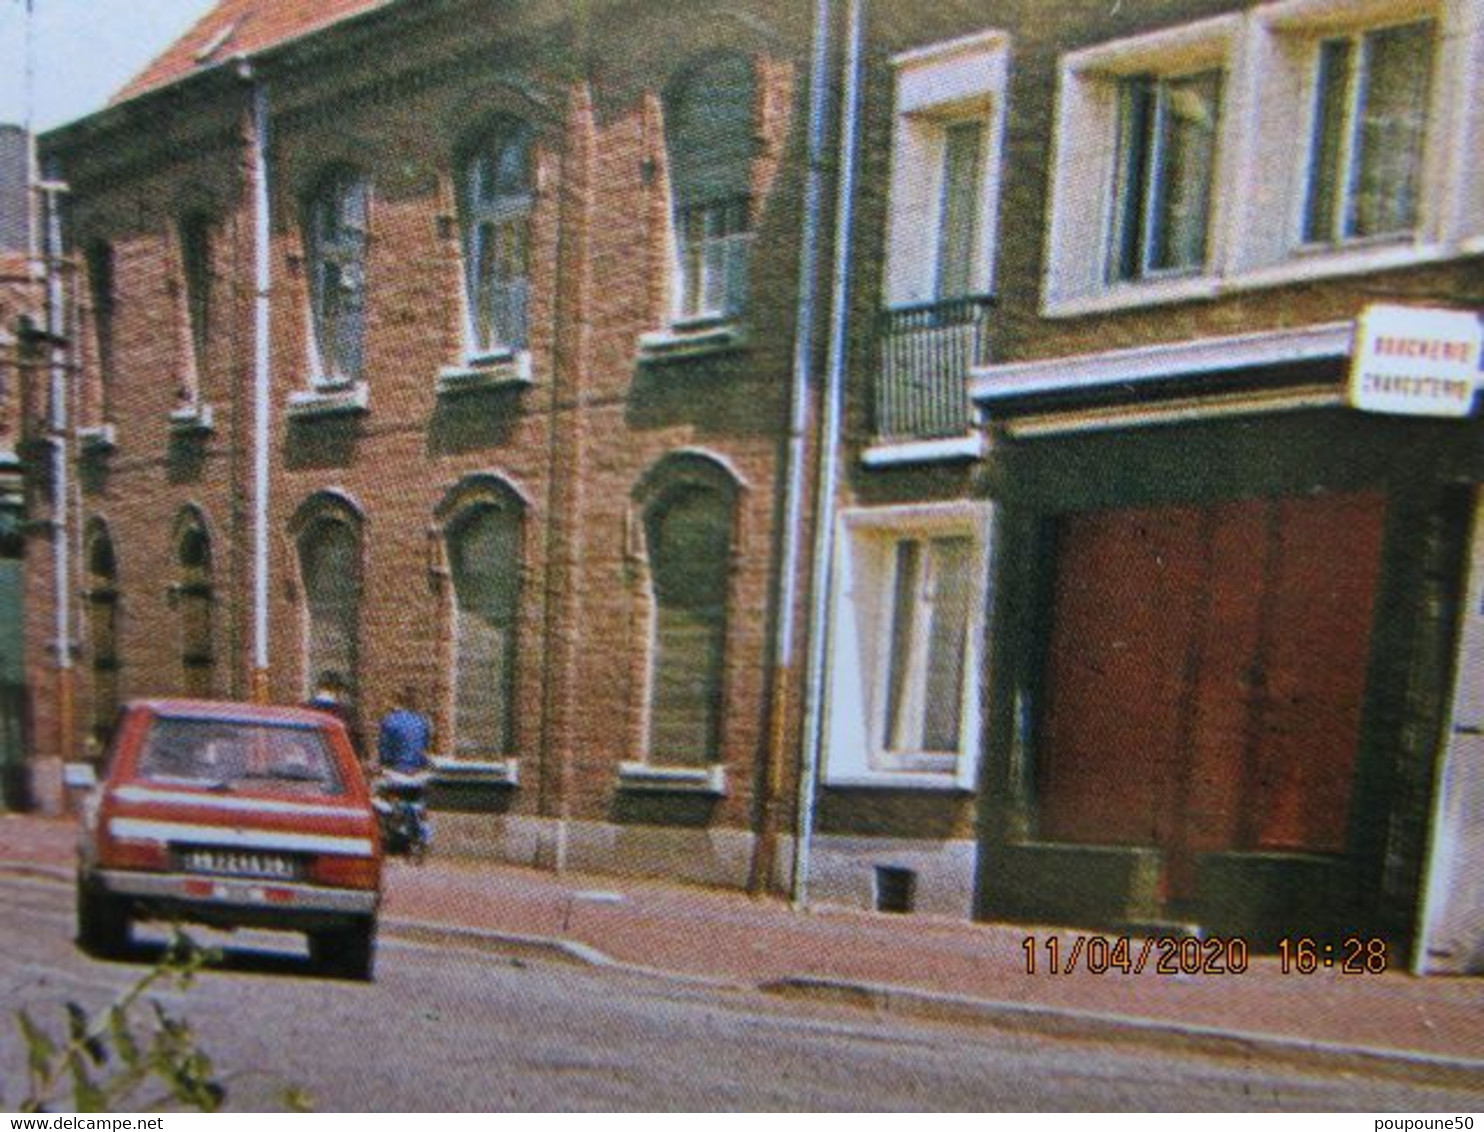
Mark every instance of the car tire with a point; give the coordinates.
(102, 920)
(348, 952)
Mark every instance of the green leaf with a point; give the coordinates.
(41, 1051)
(122, 1037)
(86, 1095)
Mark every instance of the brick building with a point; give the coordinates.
(21, 311)
(1124, 614)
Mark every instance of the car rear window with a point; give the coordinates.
(239, 756)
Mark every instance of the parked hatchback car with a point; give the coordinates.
(232, 815)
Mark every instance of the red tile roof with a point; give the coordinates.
(241, 27)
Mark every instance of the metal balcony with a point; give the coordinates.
(926, 352)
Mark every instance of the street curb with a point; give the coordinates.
(1019, 1017)
(1071, 1023)
(509, 944)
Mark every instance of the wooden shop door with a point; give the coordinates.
(1206, 675)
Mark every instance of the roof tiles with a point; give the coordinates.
(241, 27)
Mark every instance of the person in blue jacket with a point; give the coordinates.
(405, 735)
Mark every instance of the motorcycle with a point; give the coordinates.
(400, 801)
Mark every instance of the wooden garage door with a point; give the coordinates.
(1206, 675)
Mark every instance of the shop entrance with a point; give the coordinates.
(1204, 681)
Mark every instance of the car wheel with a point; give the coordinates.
(102, 920)
(348, 953)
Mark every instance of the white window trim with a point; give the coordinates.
(1084, 156)
(852, 757)
(1268, 99)
(331, 391)
(500, 355)
(936, 87)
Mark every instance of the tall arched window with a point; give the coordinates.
(102, 613)
(711, 141)
(196, 245)
(193, 603)
(329, 545)
(103, 297)
(484, 560)
(688, 536)
(495, 197)
(336, 217)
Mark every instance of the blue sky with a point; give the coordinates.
(85, 50)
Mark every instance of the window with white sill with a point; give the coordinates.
(908, 616)
(1143, 143)
(710, 140)
(97, 399)
(483, 539)
(950, 104)
(336, 227)
(496, 196)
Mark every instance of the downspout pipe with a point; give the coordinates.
(262, 378)
(49, 193)
(785, 668)
(822, 566)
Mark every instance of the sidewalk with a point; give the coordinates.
(1430, 1029)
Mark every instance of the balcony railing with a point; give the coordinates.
(926, 352)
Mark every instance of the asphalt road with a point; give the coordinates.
(444, 1029)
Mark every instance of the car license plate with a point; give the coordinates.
(239, 863)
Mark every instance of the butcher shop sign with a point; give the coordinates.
(1415, 360)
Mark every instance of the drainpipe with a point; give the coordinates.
(784, 666)
(48, 197)
(823, 565)
(262, 378)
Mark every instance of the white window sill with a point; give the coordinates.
(190, 420)
(506, 370)
(953, 448)
(898, 780)
(1325, 262)
(1121, 296)
(98, 439)
(691, 340)
(330, 400)
(460, 772)
(673, 779)
(1304, 265)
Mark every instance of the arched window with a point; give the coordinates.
(329, 545)
(710, 139)
(196, 278)
(102, 297)
(484, 560)
(102, 614)
(495, 177)
(688, 536)
(336, 218)
(193, 603)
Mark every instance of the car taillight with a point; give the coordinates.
(346, 872)
(131, 853)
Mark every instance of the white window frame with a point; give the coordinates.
(1079, 241)
(1287, 40)
(1269, 58)
(860, 638)
(474, 214)
(333, 190)
(938, 87)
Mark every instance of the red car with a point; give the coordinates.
(232, 815)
